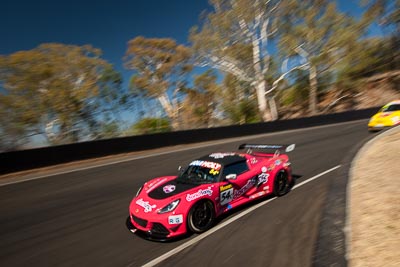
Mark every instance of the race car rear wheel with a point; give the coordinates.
(281, 183)
(201, 216)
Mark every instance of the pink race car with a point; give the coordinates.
(171, 206)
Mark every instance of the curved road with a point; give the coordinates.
(78, 218)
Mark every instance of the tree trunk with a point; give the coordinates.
(273, 108)
(175, 124)
(170, 110)
(313, 91)
(262, 102)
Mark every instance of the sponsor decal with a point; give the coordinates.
(244, 189)
(175, 219)
(226, 194)
(262, 178)
(266, 188)
(227, 207)
(271, 167)
(155, 184)
(206, 164)
(253, 161)
(278, 162)
(259, 194)
(225, 187)
(169, 188)
(264, 169)
(214, 172)
(221, 155)
(145, 204)
(395, 119)
(263, 146)
(200, 193)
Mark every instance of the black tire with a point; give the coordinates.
(201, 216)
(281, 183)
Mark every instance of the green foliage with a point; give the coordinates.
(244, 111)
(155, 62)
(109, 130)
(65, 84)
(151, 126)
(201, 101)
(160, 67)
(383, 12)
(236, 38)
(237, 102)
(325, 35)
(371, 57)
(297, 93)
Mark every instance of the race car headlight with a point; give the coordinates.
(170, 207)
(139, 190)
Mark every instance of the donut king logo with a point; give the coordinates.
(145, 204)
(200, 193)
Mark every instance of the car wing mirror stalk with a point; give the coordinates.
(181, 169)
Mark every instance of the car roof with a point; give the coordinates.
(395, 102)
(224, 158)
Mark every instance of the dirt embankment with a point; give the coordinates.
(374, 91)
(374, 206)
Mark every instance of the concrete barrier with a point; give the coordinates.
(40, 157)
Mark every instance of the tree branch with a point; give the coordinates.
(275, 83)
(226, 65)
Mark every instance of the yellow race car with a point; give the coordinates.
(388, 115)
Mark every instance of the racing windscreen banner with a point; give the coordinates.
(286, 148)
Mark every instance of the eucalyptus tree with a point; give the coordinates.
(383, 12)
(59, 90)
(201, 101)
(322, 35)
(160, 69)
(238, 101)
(387, 14)
(236, 38)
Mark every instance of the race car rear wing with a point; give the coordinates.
(276, 148)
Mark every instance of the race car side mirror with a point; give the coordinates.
(180, 169)
(230, 177)
(290, 148)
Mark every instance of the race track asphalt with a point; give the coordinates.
(78, 218)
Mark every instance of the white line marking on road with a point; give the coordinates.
(222, 225)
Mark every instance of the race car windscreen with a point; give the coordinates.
(200, 172)
(394, 107)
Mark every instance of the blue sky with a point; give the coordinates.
(107, 25)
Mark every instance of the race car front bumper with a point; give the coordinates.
(157, 232)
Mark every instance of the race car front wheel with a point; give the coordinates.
(201, 216)
(281, 183)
